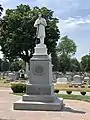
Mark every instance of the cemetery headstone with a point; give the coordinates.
(21, 74)
(2, 75)
(86, 80)
(10, 77)
(77, 80)
(62, 80)
(16, 75)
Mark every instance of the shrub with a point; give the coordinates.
(70, 85)
(56, 91)
(83, 93)
(18, 87)
(69, 92)
(82, 86)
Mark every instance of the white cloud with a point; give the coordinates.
(78, 21)
(72, 24)
(4, 1)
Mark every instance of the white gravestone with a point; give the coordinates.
(86, 79)
(16, 75)
(77, 80)
(62, 80)
(1, 76)
(10, 77)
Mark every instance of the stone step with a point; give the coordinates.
(39, 106)
(39, 98)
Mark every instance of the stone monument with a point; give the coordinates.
(40, 90)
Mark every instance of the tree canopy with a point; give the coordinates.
(74, 65)
(64, 63)
(85, 63)
(18, 35)
(4, 65)
(1, 9)
(65, 50)
(66, 46)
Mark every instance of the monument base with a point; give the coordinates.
(57, 105)
(39, 98)
(40, 90)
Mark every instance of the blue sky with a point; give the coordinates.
(73, 15)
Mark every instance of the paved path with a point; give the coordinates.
(73, 110)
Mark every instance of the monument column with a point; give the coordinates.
(40, 90)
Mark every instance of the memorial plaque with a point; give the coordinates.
(38, 70)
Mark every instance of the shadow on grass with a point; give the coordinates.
(69, 109)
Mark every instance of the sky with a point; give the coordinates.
(73, 15)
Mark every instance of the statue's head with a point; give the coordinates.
(40, 15)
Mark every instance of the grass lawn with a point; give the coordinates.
(4, 83)
(65, 87)
(66, 96)
(20, 94)
(75, 97)
(61, 87)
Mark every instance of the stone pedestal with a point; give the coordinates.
(40, 90)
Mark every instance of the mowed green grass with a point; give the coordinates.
(66, 96)
(74, 97)
(61, 87)
(4, 83)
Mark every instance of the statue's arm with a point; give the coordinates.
(37, 22)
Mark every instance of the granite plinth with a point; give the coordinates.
(39, 98)
(40, 71)
(40, 49)
(39, 89)
(57, 105)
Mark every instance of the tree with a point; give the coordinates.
(66, 46)
(1, 9)
(14, 66)
(65, 49)
(74, 65)
(64, 63)
(4, 65)
(55, 61)
(18, 35)
(0, 64)
(21, 64)
(85, 63)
